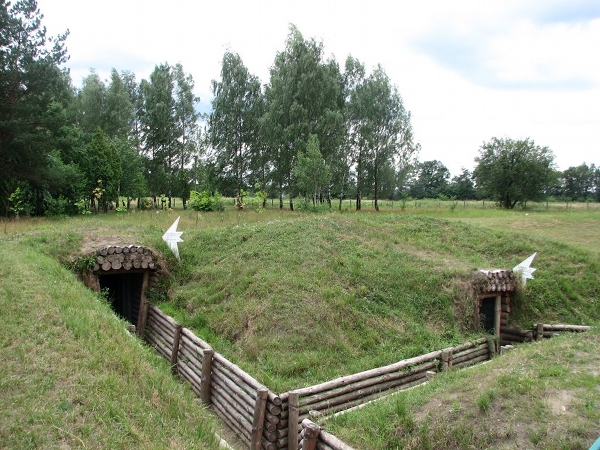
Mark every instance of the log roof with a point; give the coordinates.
(494, 280)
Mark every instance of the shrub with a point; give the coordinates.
(203, 201)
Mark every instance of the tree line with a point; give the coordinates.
(315, 132)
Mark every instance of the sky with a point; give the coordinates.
(467, 70)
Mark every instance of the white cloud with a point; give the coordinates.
(467, 70)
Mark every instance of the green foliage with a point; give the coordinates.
(311, 171)
(511, 172)
(204, 201)
(32, 98)
(19, 203)
(233, 131)
(431, 180)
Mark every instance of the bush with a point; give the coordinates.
(203, 201)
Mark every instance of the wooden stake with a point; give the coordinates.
(205, 379)
(175, 350)
(293, 408)
(259, 418)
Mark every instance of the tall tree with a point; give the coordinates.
(431, 180)
(579, 182)
(513, 171)
(303, 97)
(119, 112)
(186, 130)
(462, 186)
(380, 130)
(33, 95)
(103, 170)
(311, 171)
(159, 129)
(91, 104)
(234, 122)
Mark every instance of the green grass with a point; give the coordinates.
(539, 396)
(297, 298)
(72, 376)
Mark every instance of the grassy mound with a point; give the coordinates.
(303, 299)
(71, 375)
(539, 396)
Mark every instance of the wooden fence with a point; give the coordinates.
(539, 331)
(264, 420)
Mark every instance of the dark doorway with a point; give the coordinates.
(124, 293)
(487, 314)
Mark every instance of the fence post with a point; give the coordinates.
(259, 418)
(175, 350)
(310, 434)
(205, 377)
(293, 416)
(446, 360)
(539, 331)
(143, 311)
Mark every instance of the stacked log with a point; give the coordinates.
(470, 353)
(131, 257)
(352, 390)
(193, 355)
(234, 397)
(160, 331)
(313, 437)
(495, 280)
(511, 335)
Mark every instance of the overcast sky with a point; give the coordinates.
(467, 70)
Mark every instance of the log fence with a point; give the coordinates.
(264, 420)
(539, 331)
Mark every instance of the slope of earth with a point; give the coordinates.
(542, 395)
(304, 299)
(71, 376)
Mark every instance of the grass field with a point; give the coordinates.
(298, 298)
(71, 376)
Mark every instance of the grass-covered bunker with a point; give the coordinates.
(125, 273)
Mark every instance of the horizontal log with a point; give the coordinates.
(272, 418)
(164, 325)
(269, 445)
(164, 316)
(235, 403)
(232, 384)
(574, 328)
(470, 351)
(272, 436)
(188, 375)
(159, 330)
(224, 385)
(467, 345)
(350, 400)
(323, 446)
(232, 415)
(518, 331)
(470, 356)
(195, 339)
(381, 382)
(232, 423)
(192, 360)
(273, 409)
(514, 338)
(252, 383)
(163, 319)
(339, 382)
(333, 441)
(158, 344)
